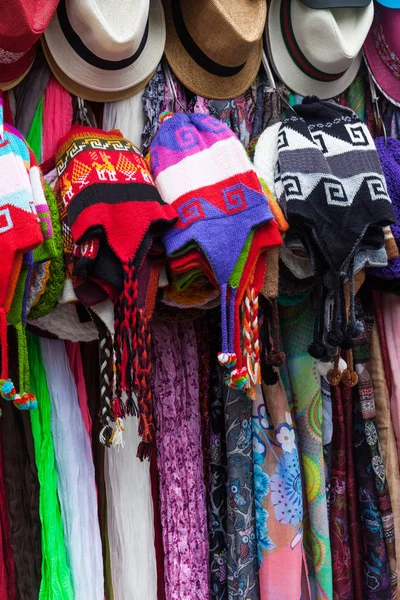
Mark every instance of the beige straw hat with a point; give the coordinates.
(105, 51)
(214, 47)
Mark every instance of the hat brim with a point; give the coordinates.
(198, 80)
(287, 70)
(12, 75)
(100, 84)
(386, 81)
(91, 95)
(320, 4)
(389, 3)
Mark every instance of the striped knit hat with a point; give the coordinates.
(110, 197)
(334, 193)
(20, 232)
(202, 169)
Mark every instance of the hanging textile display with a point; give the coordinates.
(75, 473)
(180, 464)
(278, 495)
(56, 577)
(131, 522)
(297, 328)
(199, 300)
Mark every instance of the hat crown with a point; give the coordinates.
(225, 31)
(111, 30)
(330, 38)
(24, 22)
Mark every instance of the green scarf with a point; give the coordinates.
(56, 578)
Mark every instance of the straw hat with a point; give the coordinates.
(382, 52)
(21, 26)
(214, 47)
(105, 51)
(316, 52)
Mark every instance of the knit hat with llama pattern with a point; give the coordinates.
(333, 191)
(20, 232)
(201, 168)
(106, 185)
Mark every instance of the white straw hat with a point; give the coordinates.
(316, 52)
(106, 47)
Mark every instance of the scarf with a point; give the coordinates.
(278, 495)
(297, 328)
(76, 484)
(130, 520)
(180, 462)
(56, 581)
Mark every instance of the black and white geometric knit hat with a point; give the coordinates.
(333, 192)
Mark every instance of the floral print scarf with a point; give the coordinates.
(278, 495)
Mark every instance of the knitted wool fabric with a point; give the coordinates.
(200, 166)
(19, 225)
(105, 185)
(332, 189)
(389, 156)
(54, 284)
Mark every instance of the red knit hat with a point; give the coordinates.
(21, 25)
(106, 187)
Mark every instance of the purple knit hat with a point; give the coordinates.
(389, 155)
(200, 166)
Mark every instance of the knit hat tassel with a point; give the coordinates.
(145, 399)
(125, 343)
(7, 389)
(227, 358)
(239, 377)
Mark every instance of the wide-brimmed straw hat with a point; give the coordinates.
(105, 51)
(382, 52)
(214, 47)
(316, 52)
(22, 23)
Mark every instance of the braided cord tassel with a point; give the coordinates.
(145, 398)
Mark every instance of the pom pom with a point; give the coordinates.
(166, 115)
(227, 359)
(317, 350)
(347, 343)
(349, 378)
(22, 402)
(354, 329)
(334, 376)
(7, 390)
(268, 374)
(334, 337)
(239, 379)
(276, 358)
(323, 367)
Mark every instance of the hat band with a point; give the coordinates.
(8, 58)
(194, 50)
(294, 49)
(83, 51)
(389, 57)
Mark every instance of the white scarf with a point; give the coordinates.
(130, 519)
(75, 470)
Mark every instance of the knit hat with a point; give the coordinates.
(200, 166)
(334, 193)
(105, 184)
(54, 268)
(19, 227)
